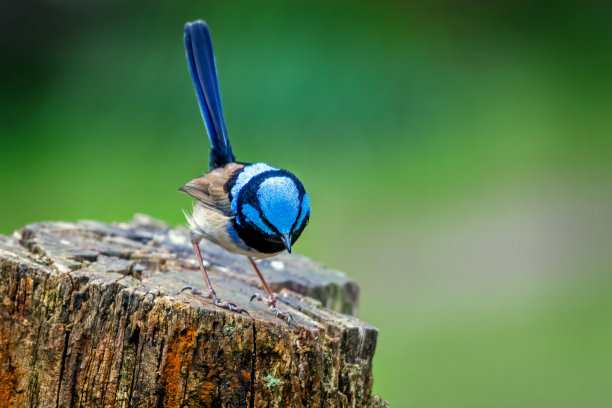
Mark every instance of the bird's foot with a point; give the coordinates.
(218, 302)
(271, 302)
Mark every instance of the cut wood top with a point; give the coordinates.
(151, 255)
(152, 262)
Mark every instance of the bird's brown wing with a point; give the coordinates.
(209, 189)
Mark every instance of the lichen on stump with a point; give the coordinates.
(92, 315)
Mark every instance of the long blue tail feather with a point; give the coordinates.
(204, 74)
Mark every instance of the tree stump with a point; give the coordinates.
(92, 315)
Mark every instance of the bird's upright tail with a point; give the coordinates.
(204, 74)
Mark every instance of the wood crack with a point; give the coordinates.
(62, 367)
(253, 362)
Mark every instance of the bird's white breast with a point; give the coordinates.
(218, 228)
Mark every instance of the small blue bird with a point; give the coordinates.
(251, 209)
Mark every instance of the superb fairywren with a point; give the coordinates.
(251, 209)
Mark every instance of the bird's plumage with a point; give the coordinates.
(211, 189)
(254, 207)
(251, 209)
(259, 204)
(271, 204)
(201, 61)
(220, 229)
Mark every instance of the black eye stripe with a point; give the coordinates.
(297, 218)
(268, 223)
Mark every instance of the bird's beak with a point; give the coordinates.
(287, 242)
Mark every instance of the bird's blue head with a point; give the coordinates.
(271, 206)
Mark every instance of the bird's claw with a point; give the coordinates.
(228, 305)
(271, 302)
(287, 317)
(198, 292)
(218, 302)
(282, 314)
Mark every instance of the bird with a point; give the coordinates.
(252, 209)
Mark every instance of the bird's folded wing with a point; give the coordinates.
(210, 189)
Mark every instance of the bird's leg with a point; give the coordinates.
(271, 297)
(210, 293)
(198, 254)
(271, 301)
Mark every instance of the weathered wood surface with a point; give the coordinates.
(92, 315)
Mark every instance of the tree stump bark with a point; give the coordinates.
(92, 315)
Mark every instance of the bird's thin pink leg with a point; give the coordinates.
(196, 249)
(271, 296)
(210, 294)
(271, 301)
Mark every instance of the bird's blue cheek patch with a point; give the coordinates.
(253, 216)
(279, 201)
(305, 211)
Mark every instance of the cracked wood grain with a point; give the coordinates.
(92, 315)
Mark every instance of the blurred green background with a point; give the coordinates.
(458, 158)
